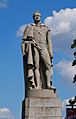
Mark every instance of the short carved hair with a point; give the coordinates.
(37, 11)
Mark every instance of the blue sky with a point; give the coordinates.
(60, 16)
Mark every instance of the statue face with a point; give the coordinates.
(37, 17)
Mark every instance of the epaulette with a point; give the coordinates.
(28, 25)
(33, 24)
(44, 25)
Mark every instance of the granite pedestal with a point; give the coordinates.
(41, 104)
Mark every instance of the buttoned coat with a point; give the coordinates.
(39, 37)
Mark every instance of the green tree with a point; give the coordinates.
(74, 62)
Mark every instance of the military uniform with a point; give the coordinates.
(43, 52)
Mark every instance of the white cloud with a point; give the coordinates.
(5, 113)
(3, 4)
(20, 31)
(66, 67)
(66, 70)
(63, 28)
(62, 21)
(4, 110)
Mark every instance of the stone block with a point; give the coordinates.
(43, 104)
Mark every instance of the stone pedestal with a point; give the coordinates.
(41, 104)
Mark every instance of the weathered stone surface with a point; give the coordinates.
(44, 117)
(41, 93)
(44, 107)
(40, 111)
(42, 102)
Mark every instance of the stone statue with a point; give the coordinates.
(37, 55)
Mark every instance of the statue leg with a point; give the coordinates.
(36, 68)
(48, 70)
(48, 78)
(47, 66)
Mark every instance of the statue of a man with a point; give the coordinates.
(37, 54)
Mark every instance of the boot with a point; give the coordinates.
(49, 86)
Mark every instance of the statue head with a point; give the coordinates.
(37, 16)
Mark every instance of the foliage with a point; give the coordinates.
(74, 62)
